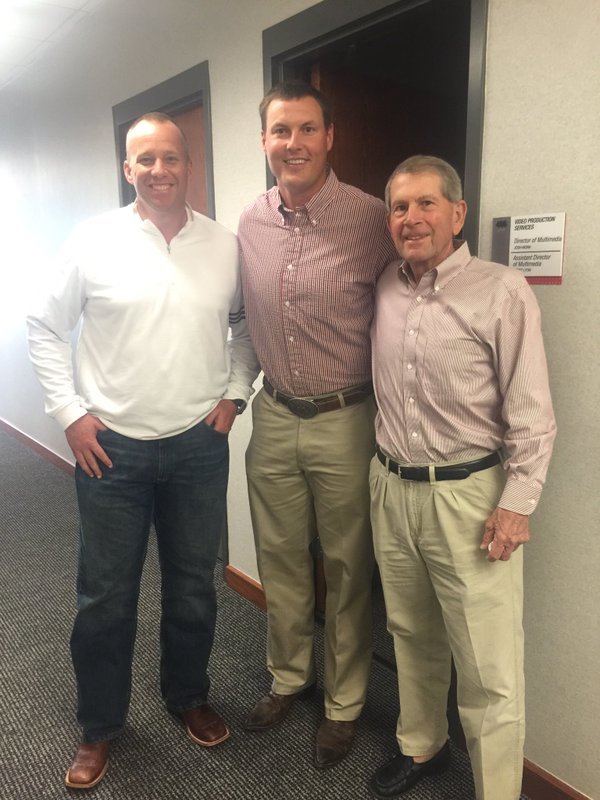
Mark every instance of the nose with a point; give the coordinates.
(293, 142)
(413, 213)
(158, 167)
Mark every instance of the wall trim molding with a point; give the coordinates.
(538, 784)
(246, 586)
(40, 449)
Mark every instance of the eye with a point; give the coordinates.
(279, 131)
(399, 210)
(145, 161)
(309, 129)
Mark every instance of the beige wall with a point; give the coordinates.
(541, 153)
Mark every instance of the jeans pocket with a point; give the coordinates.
(214, 430)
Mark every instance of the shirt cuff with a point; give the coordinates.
(69, 414)
(238, 391)
(520, 497)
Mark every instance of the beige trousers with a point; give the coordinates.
(304, 477)
(444, 598)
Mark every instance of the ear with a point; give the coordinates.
(127, 172)
(330, 137)
(460, 212)
(263, 141)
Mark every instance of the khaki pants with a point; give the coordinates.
(308, 476)
(443, 597)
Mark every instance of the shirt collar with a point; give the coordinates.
(315, 206)
(447, 270)
(150, 226)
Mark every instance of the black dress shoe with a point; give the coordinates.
(402, 773)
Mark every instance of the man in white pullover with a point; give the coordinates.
(157, 288)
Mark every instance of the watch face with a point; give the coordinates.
(241, 405)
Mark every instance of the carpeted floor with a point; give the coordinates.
(154, 758)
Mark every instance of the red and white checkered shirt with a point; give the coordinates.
(309, 276)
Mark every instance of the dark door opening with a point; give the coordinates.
(398, 88)
(404, 77)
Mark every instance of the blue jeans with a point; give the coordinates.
(180, 484)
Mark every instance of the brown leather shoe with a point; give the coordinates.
(204, 726)
(334, 741)
(272, 709)
(89, 765)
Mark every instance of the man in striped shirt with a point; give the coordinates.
(312, 249)
(464, 430)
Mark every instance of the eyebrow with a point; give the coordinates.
(418, 199)
(152, 153)
(282, 124)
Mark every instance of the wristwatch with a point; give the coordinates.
(240, 405)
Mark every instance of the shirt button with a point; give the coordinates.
(409, 366)
(296, 372)
(411, 332)
(287, 303)
(414, 434)
(296, 230)
(290, 266)
(411, 399)
(291, 338)
(419, 299)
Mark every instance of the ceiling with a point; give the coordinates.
(30, 28)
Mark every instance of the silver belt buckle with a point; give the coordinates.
(305, 409)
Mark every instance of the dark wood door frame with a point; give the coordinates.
(332, 20)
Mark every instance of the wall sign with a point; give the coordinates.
(532, 243)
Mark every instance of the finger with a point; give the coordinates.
(100, 453)
(495, 550)
(84, 465)
(88, 463)
(488, 534)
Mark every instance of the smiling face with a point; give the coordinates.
(158, 167)
(296, 143)
(422, 221)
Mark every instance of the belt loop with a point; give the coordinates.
(342, 399)
(386, 462)
(432, 478)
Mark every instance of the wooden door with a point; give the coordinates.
(191, 123)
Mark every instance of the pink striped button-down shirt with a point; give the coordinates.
(459, 371)
(309, 276)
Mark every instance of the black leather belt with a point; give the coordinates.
(453, 472)
(307, 407)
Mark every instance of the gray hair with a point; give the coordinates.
(451, 183)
